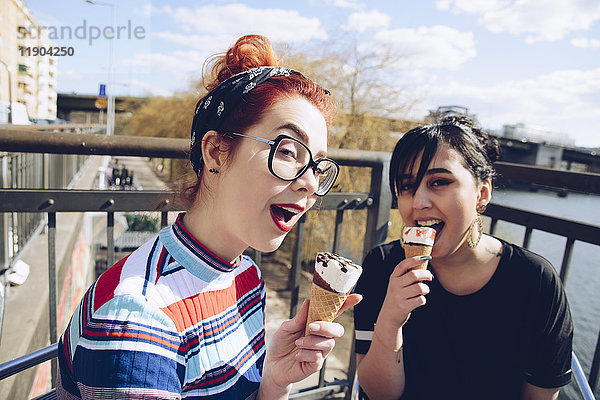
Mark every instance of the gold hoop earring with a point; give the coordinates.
(477, 222)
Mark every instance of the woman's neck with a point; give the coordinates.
(467, 270)
(204, 225)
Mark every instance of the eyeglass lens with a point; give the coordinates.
(290, 158)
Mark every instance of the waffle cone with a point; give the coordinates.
(417, 250)
(324, 305)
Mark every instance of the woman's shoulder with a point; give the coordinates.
(386, 251)
(381, 261)
(525, 261)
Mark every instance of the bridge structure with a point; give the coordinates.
(548, 155)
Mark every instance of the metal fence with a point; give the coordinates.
(376, 203)
(33, 170)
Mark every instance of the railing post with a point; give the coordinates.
(595, 370)
(45, 171)
(110, 239)
(493, 225)
(52, 286)
(566, 261)
(378, 214)
(351, 369)
(257, 258)
(4, 217)
(339, 219)
(3, 238)
(527, 237)
(296, 267)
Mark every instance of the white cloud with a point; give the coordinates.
(70, 74)
(176, 69)
(561, 101)
(145, 87)
(178, 62)
(585, 42)
(538, 21)
(353, 4)
(471, 6)
(205, 43)
(438, 46)
(146, 10)
(363, 20)
(238, 19)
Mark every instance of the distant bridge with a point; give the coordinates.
(549, 155)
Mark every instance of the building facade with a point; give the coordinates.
(33, 78)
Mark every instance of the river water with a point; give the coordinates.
(583, 280)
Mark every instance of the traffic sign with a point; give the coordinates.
(101, 103)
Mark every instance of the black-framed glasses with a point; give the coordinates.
(289, 159)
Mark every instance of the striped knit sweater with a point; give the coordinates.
(170, 321)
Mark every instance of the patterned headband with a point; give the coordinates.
(217, 104)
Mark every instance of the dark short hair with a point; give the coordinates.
(478, 149)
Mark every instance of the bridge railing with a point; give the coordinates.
(376, 203)
(33, 170)
(52, 202)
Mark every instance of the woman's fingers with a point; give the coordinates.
(314, 349)
(350, 302)
(315, 358)
(316, 343)
(405, 270)
(416, 289)
(406, 290)
(407, 264)
(329, 330)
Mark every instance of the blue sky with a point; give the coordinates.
(535, 62)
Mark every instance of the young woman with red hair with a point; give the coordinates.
(183, 315)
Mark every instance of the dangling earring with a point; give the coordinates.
(213, 171)
(477, 224)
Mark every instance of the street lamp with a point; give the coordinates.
(9, 92)
(110, 112)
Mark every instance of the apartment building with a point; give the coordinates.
(33, 78)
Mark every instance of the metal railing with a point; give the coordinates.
(33, 170)
(52, 202)
(376, 203)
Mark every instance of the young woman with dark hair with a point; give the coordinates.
(489, 319)
(183, 316)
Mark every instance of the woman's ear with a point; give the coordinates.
(214, 152)
(485, 193)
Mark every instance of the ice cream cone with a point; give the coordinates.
(333, 280)
(418, 241)
(324, 305)
(412, 250)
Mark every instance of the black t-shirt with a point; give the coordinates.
(479, 346)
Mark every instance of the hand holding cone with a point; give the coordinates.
(418, 241)
(333, 280)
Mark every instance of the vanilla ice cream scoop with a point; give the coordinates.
(336, 273)
(333, 280)
(422, 235)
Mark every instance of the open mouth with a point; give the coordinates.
(283, 215)
(436, 224)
